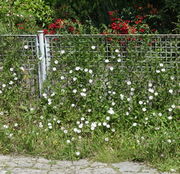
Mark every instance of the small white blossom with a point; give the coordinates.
(119, 60)
(161, 65)
(90, 80)
(106, 61)
(128, 82)
(44, 95)
(65, 131)
(58, 121)
(163, 69)
(134, 124)
(74, 78)
(169, 141)
(113, 130)
(62, 77)
(116, 50)
(144, 109)
(151, 90)
(83, 94)
(56, 62)
(121, 96)
(93, 47)
(150, 97)
(111, 111)
(89, 110)
(173, 106)
(54, 69)
(106, 139)
(158, 71)
(170, 118)
(86, 70)
(127, 113)
(74, 91)
(156, 93)
(26, 47)
(77, 153)
(108, 118)
(111, 68)
(62, 51)
(68, 141)
(90, 71)
(3, 85)
(11, 69)
(73, 105)
(77, 68)
(170, 91)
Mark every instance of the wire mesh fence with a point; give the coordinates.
(101, 53)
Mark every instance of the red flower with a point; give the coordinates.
(110, 13)
(71, 29)
(142, 30)
(45, 31)
(52, 32)
(52, 26)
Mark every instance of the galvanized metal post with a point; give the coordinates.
(42, 64)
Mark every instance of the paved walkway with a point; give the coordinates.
(30, 165)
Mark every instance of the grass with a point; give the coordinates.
(140, 146)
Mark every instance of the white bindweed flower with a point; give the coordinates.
(26, 47)
(74, 78)
(106, 61)
(134, 124)
(77, 153)
(68, 141)
(77, 68)
(104, 124)
(170, 118)
(170, 109)
(86, 122)
(128, 99)
(150, 84)
(89, 110)
(151, 90)
(127, 113)
(62, 51)
(108, 118)
(172, 77)
(121, 96)
(11, 82)
(111, 111)
(44, 95)
(113, 130)
(170, 91)
(15, 124)
(116, 50)
(163, 70)
(132, 89)
(65, 131)
(86, 70)
(11, 69)
(0, 92)
(84, 90)
(82, 118)
(22, 68)
(169, 141)
(90, 71)
(3, 85)
(160, 114)
(111, 68)
(54, 69)
(58, 121)
(106, 139)
(128, 82)
(119, 60)
(62, 77)
(73, 105)
(15, 78)
(158, 71)
(90, 80)
(70, 72)
(156, 93)
(83, 94)
(161, 65)
(56, 62)
(173, 106)
(99, 124)
(74, 91)
(93, 47)
(144, 109)
(150, 97)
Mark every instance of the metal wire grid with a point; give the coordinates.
(166, 48)
(27, 51)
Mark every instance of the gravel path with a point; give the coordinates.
(29, 165)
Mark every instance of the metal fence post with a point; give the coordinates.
(42, 64)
